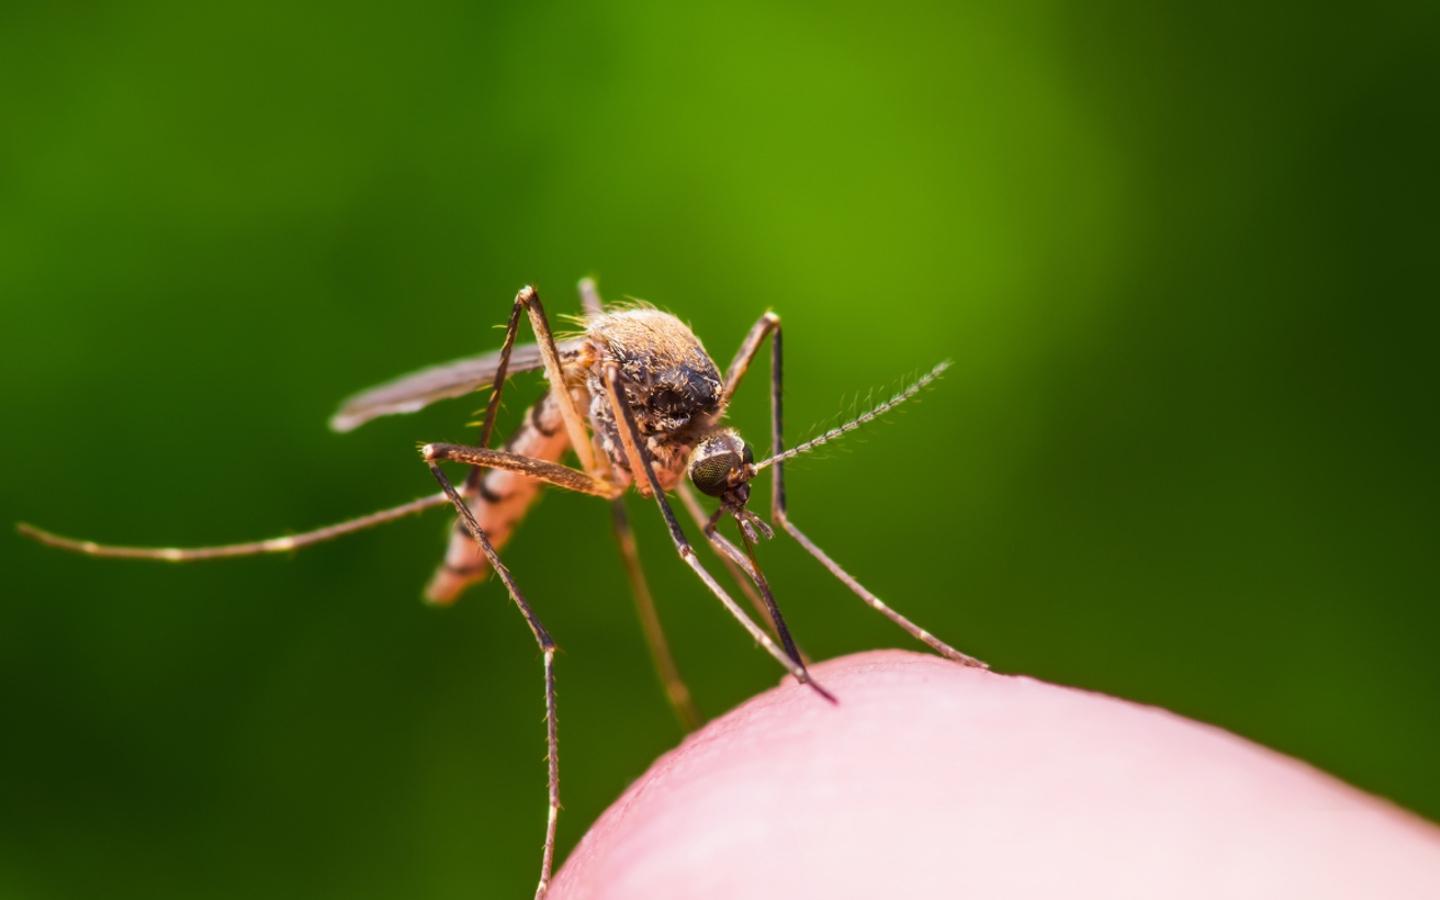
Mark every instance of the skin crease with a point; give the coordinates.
(935, 780)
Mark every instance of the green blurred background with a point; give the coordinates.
(1183, 258)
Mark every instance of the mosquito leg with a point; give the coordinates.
(539, 469)
(529, 300)
(471, 485)
(547, 649)
(746, 562)
(770, 324)
(676, 691)
(737, 574)
(875, 602)
(698, 516)
(493, 406)
(749, 348)
(640, 463)
(452, 577)
(251, 548)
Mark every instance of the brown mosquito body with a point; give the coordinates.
(674, 393)
(639, 402)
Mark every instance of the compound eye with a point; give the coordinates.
(712, 473)
(748, 455)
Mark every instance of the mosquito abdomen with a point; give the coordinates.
(499, 498)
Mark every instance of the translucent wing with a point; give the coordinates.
(418, 390)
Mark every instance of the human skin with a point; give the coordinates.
(934, 780)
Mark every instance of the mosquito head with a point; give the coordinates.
(722, 465)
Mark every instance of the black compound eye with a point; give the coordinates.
(748, 455)
(712, 474)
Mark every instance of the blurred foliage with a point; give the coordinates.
(1182, 256)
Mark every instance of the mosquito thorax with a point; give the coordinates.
(720, 466)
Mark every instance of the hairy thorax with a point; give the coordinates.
(672, 385)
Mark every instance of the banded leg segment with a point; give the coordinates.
(769, 325)
(547, 649)
(640, 463)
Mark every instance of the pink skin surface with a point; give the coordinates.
(933, 780)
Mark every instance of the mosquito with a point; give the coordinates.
(639, 402)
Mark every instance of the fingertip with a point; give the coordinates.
(932, 779)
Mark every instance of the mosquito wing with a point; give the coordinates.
(418, 390)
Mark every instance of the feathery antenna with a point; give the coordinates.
(864, 418)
